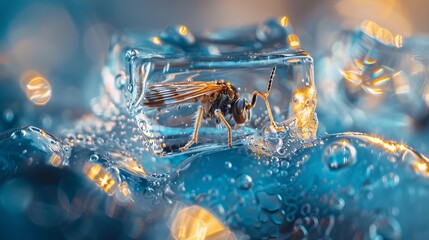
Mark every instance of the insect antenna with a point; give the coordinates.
(270, 81)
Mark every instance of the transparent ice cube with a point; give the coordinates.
(176, 55)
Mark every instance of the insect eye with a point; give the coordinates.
(239, 111)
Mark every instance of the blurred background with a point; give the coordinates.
(66, 41)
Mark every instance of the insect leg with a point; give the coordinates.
(228, 127)
(196, 128)
(270, 114)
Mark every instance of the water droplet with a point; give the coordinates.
(390, 180)
(149, 193)
(339, 154)
(120, 80)
(281, 151)
(269, 202)
(385, 228)
(305, 209)
(244, 181)
(290, 217)
(207, 178)
(277, 217)
(228, 165)
(337, 203)
(93, 158)
(285, 164)
(130, 88)
(142, 125)
(18, 134)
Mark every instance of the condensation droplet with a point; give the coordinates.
(142, 125)
(18, 134)
(228, 165)
(120, 80)
(149, 193)
(244, 182)
(93, 158)
(269, 202)
(207, 178)
(337, 203)
(390, 180)
(385, 228)
(305, 209)
(339, 154)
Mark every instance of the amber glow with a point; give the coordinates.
(103, 179)
(183, 30)
(196, 223)
(129, 164)
(387, 145)
(55, 160)
(421, 166)
(398, 41)
(352, 76)
(293, 41)
(156, 40)
(284, 21)
(370, 28)
(304, 105)
(387, 12)
(383, 35)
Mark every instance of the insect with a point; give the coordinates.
(218, 99)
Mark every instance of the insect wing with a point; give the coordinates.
(164, 94)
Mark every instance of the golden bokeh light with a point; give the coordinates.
(37, 88)
(387, 12)
(284, 21)
(420, 164)
(55, 160)
(183, 30)
(293, 41)
(398, 41)
(103, 179)
(196, 223)
(384, 36)
(156, 40)
(370, 28)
